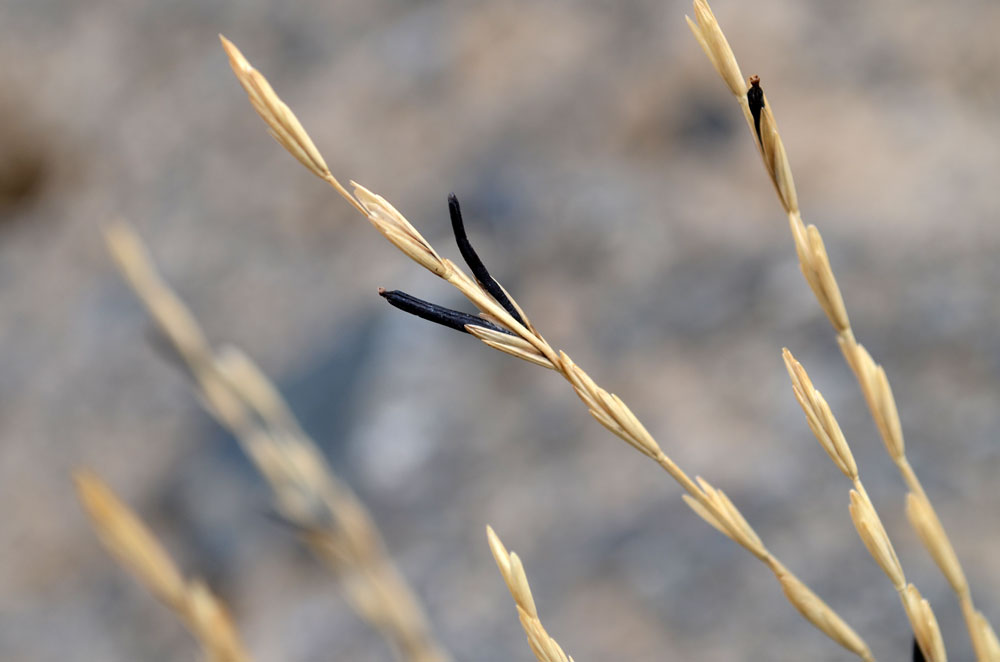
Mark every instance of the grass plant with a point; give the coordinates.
(335, 525)
(508, 329)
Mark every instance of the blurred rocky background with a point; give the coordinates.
(609, 181)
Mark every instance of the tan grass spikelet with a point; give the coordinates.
(927, 525)
(281, 122)
(512, 345)
(876, 540)
(925, 626)
(988, 646)
(134, 546)
(732, 521)
(776, 159)
(716, 46)
(815, 265)
(399, 231)
(331, 519)
(545, 648)
(822, 616)
(606, 408)
(878, 394)
(820, 418)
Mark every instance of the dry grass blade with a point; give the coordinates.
(606, 408)
(135, 547)
(332, 520)
(545, 648)
(815, 265)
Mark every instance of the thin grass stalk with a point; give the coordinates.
(328, 515)
(816, 269)
(135, 547)
(545, 648)
(609, 410)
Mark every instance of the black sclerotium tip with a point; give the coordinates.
(453, 319)
(755, 99)
(918, 655)
(475, 264)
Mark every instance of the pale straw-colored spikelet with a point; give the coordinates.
(512, 345)
(399, 231)
(608, 409)
(134, 546)
(815, 265)
(988, 645)
(927, 525)
(925, 626)
(716, 46)
(776, 159)
(822, 616)
(545, 648)
(330, 517)
(878, 394)
(724, 516)
(873, 534)
(820, 418)
(282, 123)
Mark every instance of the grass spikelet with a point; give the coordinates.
(136, 548)
(822, 616)
(820, 418)
(987, 644)
(925, 626)
(716, 46)
(281, 122)
(876, 540)
(927, 525)
(878, 394)
(545, 648)
(510, 345)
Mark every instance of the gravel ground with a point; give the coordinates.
(609, 182)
